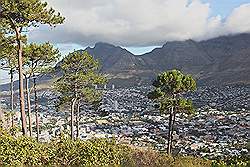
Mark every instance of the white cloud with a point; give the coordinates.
(140, 22)
(239, 20)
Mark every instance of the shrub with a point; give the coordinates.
(62, 151)
(16, 152)
(96, 152)
(240, 161)
(59, 152)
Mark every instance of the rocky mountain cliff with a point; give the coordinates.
(222, 60)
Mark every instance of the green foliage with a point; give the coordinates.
(89, 153)
(19, 14)
(59, 152)
(27, 13)
(63, 151)
(8, 53)
(240, 161)
(174, 82)
(16, 152)
(80, 76)
(79, 62)
(169, 87)
(39, 58)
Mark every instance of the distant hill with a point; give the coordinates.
(222, 60)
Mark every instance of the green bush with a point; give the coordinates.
(240, 161)
(97, 152)
(59, 152)
(16, 152)
(62, 151)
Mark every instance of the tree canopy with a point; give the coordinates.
(39, 58)
(27, 13)
(172, 83)
(80, 76)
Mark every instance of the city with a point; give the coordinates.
(220, 126)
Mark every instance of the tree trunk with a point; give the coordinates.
(36, 110)
(169, 130)
(12, 96)
(28, 104)
(72, 118)
(172, 131)
(173, 112)
(77, 119)
(20, 70)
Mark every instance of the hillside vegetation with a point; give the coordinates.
(62, 151)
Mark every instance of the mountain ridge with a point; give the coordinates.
(221, 60)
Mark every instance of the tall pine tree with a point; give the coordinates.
(39, 60)
(80, 74)
(17, 15)
(169, 88)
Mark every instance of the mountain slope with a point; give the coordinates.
(231, 59)
(115, 59)
(222, 60)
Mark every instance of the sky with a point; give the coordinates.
(224, 7)
(141, 25)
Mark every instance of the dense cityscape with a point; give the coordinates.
(220, 126)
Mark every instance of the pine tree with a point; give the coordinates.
(17, 15)
(80, 74)
(9, 62)
(169, 88)
(39, 60)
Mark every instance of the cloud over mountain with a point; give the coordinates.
(239, 21)
(140, 22)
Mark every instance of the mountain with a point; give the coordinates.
(115, 59)
(231, 59)
(222, 60)
(123, 67)
(217, 61)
